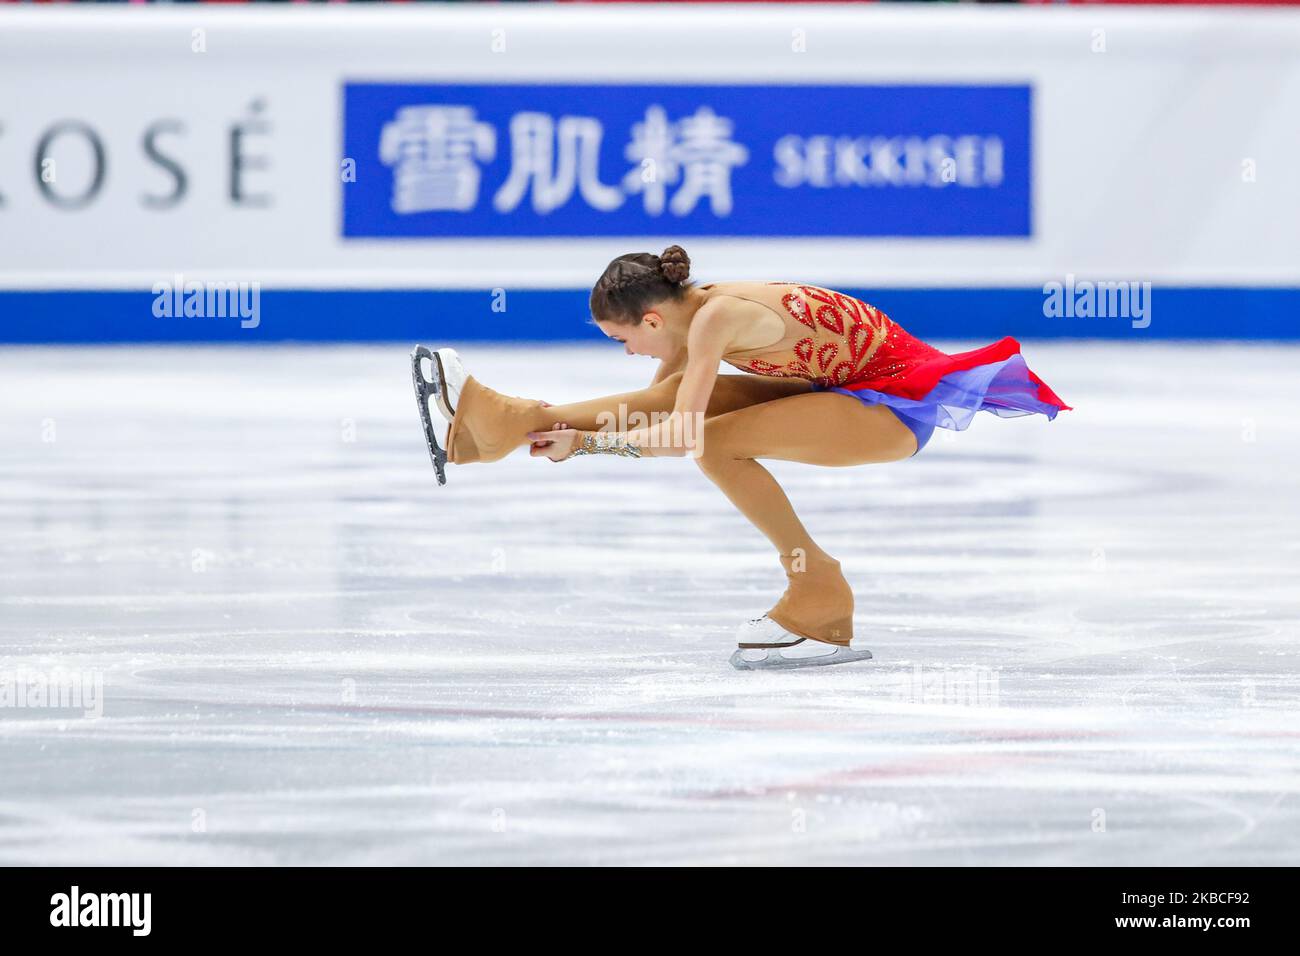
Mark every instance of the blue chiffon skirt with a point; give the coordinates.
(1003, 388)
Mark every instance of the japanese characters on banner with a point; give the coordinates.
(795, 160)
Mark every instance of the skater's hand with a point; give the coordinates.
(554, 444)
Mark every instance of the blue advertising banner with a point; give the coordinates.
(443, 160)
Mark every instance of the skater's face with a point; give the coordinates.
(647, 337)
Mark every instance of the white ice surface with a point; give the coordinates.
(313, 654)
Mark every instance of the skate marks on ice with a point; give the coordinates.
(1083, 631)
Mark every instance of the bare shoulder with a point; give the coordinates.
(720, 320)
(744, 324)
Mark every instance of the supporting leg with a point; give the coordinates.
(823, 428)
(819, 428)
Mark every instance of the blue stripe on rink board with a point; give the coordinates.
(432, 315)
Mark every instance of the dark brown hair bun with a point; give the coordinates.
(675, 264)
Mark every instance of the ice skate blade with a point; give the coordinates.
(424, 390)
(773, 660)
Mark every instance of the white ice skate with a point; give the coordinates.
(444, 387)
(765, 644)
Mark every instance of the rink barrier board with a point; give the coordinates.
(549, 315)
(1112, 143)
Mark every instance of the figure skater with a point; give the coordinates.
(831, 381)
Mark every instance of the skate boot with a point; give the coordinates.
(812, 624)
(766, 645)
(484, 425)
(488, 425)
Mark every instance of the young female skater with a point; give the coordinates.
(833, 381)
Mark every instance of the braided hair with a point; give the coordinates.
(632, 284)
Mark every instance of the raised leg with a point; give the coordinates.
(489, 425)
(730, 393)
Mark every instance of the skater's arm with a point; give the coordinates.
(670, 366)
(711, 332)
(673, 436)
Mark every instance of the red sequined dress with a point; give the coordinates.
(841, 344)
